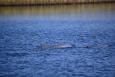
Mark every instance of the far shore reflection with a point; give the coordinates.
(56, 9)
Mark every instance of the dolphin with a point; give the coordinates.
(63, 46)
(58, 46)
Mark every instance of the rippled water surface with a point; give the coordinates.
(90, 28)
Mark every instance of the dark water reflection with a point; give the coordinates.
(23, 29)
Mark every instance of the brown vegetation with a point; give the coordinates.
(33, 2)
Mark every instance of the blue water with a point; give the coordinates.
(22, 34)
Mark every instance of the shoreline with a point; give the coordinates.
(48, 4)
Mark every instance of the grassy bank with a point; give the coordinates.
(45, 2)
